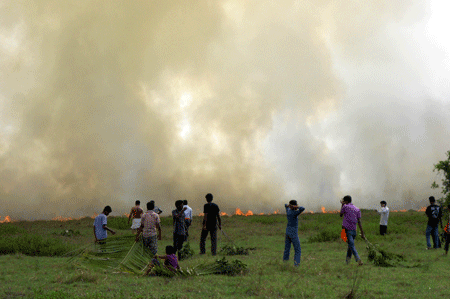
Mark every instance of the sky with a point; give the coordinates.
(257, 102)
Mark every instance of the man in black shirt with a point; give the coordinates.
(434, 213)
(210, 220)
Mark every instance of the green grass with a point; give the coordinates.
(322, 273)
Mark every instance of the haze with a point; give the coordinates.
(257, 102)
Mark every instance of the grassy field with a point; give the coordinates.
(36, 267)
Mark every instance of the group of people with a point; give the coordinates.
(352, 218)
(148, 225)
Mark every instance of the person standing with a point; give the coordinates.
(291, 237)
(434, 214)
(135, 214)
(187, 217)
(447, 231)
(179, 228)
(150, 229)
(352, 216)
(384, 215)
(210, 220)
(100, 228)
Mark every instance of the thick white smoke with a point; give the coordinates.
(256, 102)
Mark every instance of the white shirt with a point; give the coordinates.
(384, 212)
(188, 212)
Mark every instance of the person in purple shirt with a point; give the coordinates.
(292, 212)
(352, 216)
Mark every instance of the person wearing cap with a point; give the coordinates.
(352, 216)
(291, 237)
(384, 215)
(187, 217)
(100, 228)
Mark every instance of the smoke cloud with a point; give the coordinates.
(104, 103)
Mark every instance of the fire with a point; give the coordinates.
(223, 214)
(276, 212)
(240, 213)
(422, 209)
(325, 211)
(7, 219)
(95, 215)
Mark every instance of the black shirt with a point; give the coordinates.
(434, 213)
(213, 211)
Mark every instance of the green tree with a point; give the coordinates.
(443, 169)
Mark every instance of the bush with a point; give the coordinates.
(33, 245)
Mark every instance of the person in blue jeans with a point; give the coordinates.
(434, 214)
(351, 216)
(292, 212)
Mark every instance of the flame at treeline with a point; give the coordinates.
(238, 212)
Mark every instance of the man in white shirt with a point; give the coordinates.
(187, 217)
(384, 215)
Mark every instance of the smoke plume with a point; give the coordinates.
(258, 102)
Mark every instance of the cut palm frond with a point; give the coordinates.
(137, 259)
(382, 258)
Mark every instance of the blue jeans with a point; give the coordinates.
(292, 237)
(151, 243)
(434, 231)
(351, 235)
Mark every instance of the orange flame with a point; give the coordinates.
(223, 214)
(276, 212)
(201, 214)
(422, 209)
(6, 220)
(95, 215)
(238, 212)
(325, 211)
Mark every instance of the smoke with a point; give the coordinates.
(256, 102)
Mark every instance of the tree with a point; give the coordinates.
(443, 168)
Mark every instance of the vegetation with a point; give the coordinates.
(85, 269)
(443, 169)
